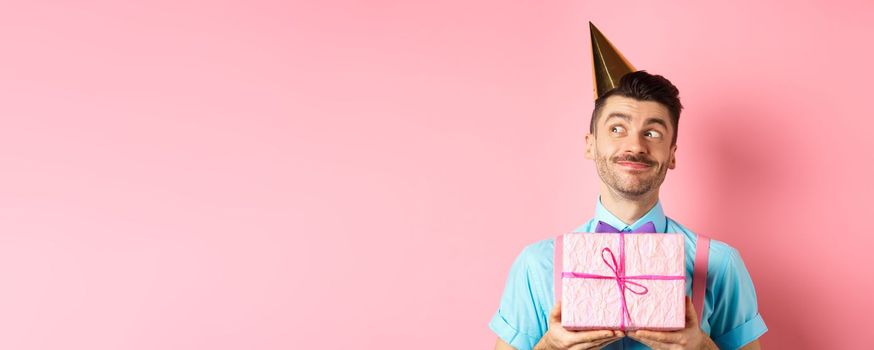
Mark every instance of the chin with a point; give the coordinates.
(635, 188)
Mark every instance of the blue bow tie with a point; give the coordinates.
(604, 227)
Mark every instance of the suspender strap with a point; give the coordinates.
(557, 265)
(699, 275)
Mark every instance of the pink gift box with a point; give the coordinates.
(594, 281)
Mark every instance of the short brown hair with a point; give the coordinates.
(643, 86)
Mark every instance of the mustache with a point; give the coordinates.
(637, 158)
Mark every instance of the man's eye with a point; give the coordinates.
(653, 133)
(617, 129)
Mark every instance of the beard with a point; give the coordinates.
(630, 184)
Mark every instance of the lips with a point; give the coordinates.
(633, 165)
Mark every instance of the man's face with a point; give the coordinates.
(632, 145)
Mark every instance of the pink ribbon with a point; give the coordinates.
(622, 281)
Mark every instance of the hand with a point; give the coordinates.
(691, 337)
(559, 338)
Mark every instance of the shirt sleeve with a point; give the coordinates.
(517, 320)
(735, 320)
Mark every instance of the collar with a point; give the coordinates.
(656, 215)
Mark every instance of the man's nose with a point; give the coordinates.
(635, 144)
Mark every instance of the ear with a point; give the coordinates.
(673, 162)
(590, 146)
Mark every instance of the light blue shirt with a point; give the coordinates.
(731, 315)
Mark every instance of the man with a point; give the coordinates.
(632, 139)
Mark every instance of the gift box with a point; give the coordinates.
(623, 281)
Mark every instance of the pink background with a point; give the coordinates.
(275, 175)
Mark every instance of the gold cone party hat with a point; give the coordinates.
(608, 63)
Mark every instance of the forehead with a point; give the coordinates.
(636, 109)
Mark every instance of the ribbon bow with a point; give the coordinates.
(622, 281)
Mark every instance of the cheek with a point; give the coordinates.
(605, 147)
(664, 157)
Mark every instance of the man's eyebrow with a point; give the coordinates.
(618, 115)
(656, 121)
(627, 118)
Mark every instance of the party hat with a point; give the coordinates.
(608, 63)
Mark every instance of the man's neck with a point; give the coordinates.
(628, 209)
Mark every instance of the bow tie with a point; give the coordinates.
(604, 227)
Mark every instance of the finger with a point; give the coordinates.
(661, 337)
(589, 336)
(652, 344)
(606, 342)
(594, 345)
(691, 314)
(555, 313)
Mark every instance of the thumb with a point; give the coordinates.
(691, 314)
(555, 314)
